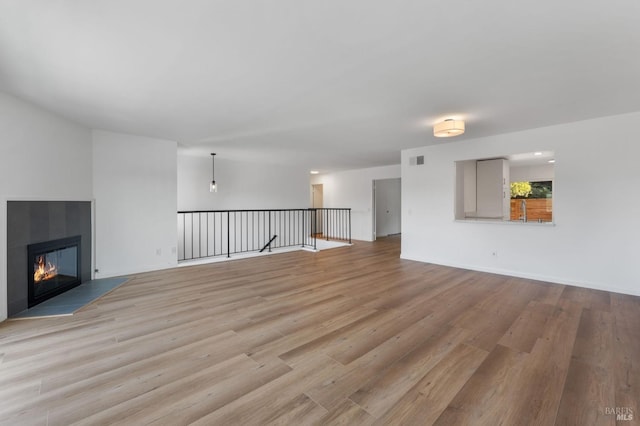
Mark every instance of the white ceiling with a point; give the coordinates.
(329, 84)
(539, 158)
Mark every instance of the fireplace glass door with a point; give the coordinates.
(54, 268)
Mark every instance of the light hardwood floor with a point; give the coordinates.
(352, 335)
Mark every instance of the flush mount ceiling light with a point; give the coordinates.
(448, 128)
(314, 172)
(212, 186)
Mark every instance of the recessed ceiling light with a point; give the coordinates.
(314, 172)
(537, 153)
(552, 161)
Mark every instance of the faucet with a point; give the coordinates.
(523, 209)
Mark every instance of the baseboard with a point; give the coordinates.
(519, 274)
(131, 271)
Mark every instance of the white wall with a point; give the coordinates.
(596, 240)
(42, 157)
(135, 189)
(354, 189)
(242, 185)
(531, 173)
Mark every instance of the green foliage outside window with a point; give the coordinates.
(541, 189)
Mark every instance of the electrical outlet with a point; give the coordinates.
(159, 252)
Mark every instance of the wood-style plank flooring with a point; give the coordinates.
(352, 335)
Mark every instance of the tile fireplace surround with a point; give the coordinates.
(30, 222)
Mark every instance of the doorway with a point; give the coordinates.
(387, 200)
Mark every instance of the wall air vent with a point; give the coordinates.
(416, 161)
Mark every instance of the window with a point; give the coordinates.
(515, 188)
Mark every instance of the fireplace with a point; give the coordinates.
(54, 267)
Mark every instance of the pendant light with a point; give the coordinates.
(213, 187)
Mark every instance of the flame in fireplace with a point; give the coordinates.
(44, 271)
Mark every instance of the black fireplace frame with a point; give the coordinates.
(37, 249)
